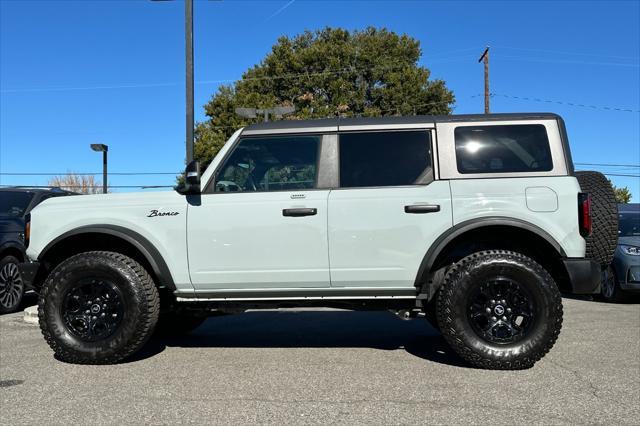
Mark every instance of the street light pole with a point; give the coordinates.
(100, 147)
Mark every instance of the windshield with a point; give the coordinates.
(14, 204)
(629, 224)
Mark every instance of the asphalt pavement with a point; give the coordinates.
(328, 366)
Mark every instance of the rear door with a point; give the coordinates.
(388, 210)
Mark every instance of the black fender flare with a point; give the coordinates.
(443, 240)
(143, 245)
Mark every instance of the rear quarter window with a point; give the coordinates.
(503, 149)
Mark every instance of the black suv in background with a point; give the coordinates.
(15, 204)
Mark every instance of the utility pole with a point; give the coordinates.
(188, 37)
(485, 58)
(188, 41)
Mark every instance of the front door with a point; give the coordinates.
(263, 222)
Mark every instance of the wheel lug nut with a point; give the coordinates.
(488, 310)
(509, 310)
(493, 302)
(94, 317)
(87, 311)
(494, 319)
(102, 314)
(504, 318)
(504, 302)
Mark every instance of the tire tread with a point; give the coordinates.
(454, 339)
(144, 328)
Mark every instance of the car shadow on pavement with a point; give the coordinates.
(313, 329)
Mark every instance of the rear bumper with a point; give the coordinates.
(584, 275)
(29, 272)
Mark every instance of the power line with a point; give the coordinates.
(621, 175)
(567, 53)
(608, 165)
(563, 61)
(305, 74)
(550, 101)
(87, 186)
(89, 174)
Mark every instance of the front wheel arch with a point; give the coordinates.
(107, 238)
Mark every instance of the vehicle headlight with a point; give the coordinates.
(632, 250)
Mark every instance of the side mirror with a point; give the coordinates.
(192, 173)
(191, 183)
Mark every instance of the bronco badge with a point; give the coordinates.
(154, 213)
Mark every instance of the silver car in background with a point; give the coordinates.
(622, 278)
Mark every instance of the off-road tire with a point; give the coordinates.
(175, 324)
(141, 308)
(478, 268)
(601, 244)
(10, 302)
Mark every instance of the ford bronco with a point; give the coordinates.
(476, 222)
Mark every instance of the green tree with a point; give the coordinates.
(327, 73)
(623, 195)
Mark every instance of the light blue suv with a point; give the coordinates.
(477, 222)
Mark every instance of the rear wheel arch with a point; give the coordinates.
(490, 233)
(108, 238)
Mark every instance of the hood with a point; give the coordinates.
(629, 241)
(108, 201)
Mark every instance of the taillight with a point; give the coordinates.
(584, 214)
(27, 229)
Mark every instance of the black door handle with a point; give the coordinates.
(422, 208)
(299, 212)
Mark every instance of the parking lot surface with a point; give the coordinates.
(328, 366)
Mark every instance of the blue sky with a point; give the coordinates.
(79, 72)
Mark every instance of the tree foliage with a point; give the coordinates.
(82, 184)
(327, 73)
(623, 194)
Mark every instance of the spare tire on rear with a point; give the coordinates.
(602, 242)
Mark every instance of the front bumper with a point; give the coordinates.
(627, 269)
(30, 272)
(584, 275)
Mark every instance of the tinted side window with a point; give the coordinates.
(270, 164)
(503, 149)
(384, 158)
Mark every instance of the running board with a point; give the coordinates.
(296, 294)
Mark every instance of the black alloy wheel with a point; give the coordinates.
(94, 309)
(501, 311)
